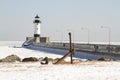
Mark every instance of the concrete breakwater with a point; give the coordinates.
(108, 51)
(102, 48)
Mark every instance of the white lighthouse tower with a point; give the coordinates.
(37, 24)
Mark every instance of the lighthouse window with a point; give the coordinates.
(37, 21)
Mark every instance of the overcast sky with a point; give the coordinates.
(59, 17)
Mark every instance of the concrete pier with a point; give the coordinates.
(108, 51)
(102, 48)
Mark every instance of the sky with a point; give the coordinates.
(60, 17)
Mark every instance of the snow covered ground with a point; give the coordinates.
(86, 70)
(81, 71)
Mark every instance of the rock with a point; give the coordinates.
(104, 59)
(50, 60)
(0, 60)
(11, 58)
(45, 61)
(30, 59)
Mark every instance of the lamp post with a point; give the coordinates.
(88, 33)
(109, 33)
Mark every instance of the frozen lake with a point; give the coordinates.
(90, 70)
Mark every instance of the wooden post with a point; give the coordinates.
(70, 46)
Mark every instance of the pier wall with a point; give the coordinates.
(101, 48)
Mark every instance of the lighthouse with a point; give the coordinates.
(37, 24)
(36, 39)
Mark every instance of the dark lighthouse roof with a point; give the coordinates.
(37, 16)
